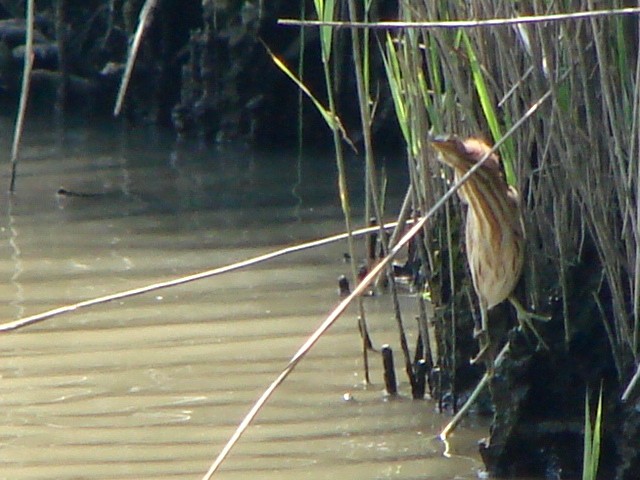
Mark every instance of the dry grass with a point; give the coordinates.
(576, 162)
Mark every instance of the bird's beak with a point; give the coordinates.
(446, 144)
(441, 138)
(452, 151)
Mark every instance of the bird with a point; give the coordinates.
(494, 230)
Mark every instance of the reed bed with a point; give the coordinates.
(575, 162)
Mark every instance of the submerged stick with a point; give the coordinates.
(390, 383)
(146, 16)
(23, 322)
(24, 95)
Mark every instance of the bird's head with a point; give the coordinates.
(461, 155)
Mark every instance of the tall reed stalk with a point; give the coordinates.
(24, 94)
(325, 9)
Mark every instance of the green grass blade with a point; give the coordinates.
(366, 38)
(325, 10)
(588, 437)
(429, 97)
(394, 77)
(326, 114)
(592, 439)
(597, 429)
(426, 95)
(508, 150)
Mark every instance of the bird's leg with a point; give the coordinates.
(482, 333)
(525, 319)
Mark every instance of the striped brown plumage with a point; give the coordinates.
(494, 230)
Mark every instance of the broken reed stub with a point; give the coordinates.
(390, 383)
(420, 379)
(343, 286)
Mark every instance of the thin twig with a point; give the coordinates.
(454, 319)
(23, 322)
(146, 16)
(490, 22)
(24, 95)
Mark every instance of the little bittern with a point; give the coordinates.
(494, 230)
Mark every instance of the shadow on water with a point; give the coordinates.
(151, 387)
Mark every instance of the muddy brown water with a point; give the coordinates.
(153, 386)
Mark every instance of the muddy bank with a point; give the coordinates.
(203, 69)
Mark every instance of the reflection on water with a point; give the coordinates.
(152, 387)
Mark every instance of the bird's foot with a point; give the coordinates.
(525, 319)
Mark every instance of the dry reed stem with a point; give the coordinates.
(37, 318)
(454, 24)
(24, 95)
(145, 19)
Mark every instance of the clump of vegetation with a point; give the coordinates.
(571, 75)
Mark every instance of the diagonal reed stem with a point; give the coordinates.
(454, 24)
(40, 317)
(360, 288)
(24, 95)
